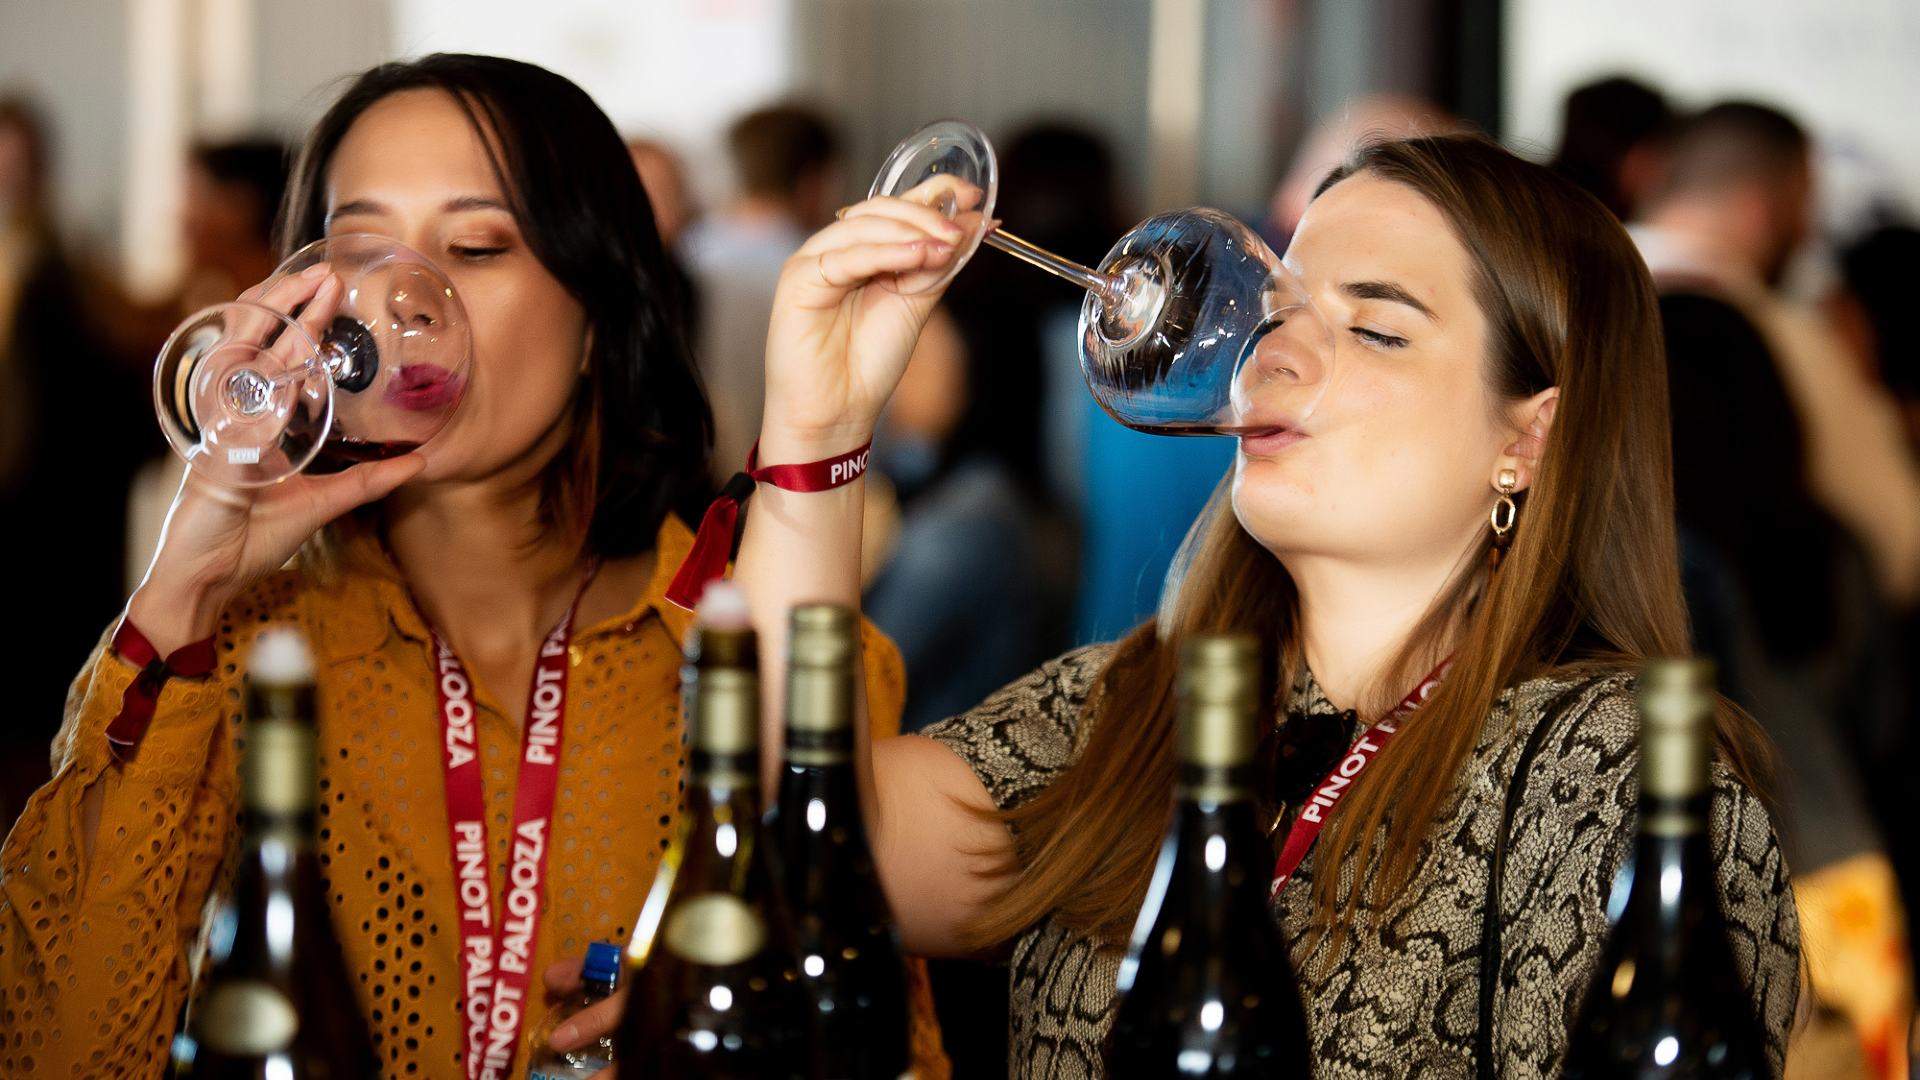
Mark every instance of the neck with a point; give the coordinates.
(1355, 620)
(484, 570)
(1706, 234)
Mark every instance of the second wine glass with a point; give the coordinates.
(1191, 325)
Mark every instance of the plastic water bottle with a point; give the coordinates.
(598, 976)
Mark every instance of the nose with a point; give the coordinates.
(1287, 365)
(1292, 347)
(414, 300)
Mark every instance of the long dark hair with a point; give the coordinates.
(642, 430)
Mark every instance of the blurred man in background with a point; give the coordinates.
(1614, 136)
(1732, 212)
(787, 181)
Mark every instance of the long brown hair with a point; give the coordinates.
(1590, 583)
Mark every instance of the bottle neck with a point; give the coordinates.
(278, 773)
(729, 779)
(1214, 785)
(1673, 833)
(1675, 756)
(819, 764)
(1217, 821)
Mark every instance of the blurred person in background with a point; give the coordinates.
(1613, 141)
(555, 490)
(233, 191)
(1881, 271)
(231, 197)
(786, 174)
(66, 408)
(1806, 645)
(665, 177)
(958, 591)
(1793, 472)
(1734, 208)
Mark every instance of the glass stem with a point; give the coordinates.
(1109, 289)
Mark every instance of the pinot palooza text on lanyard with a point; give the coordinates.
(496, 947)
(1314, 812)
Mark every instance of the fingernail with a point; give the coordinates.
(563, 1035)
(952, 232)
(314, 271)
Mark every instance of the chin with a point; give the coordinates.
(1273, 503)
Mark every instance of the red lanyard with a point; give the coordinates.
(496, 956)
(1314, 812)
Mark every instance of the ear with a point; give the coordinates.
(586, 352)
(1533, 418)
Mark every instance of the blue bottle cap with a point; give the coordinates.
(603, 962)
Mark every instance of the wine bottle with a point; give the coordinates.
(1205, 988)
(1667, 1000)
(712, 988)
(849, 957)
(275, 999)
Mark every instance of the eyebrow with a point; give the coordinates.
(1387, 290)
(451, 206)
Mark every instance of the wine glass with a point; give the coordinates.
(1190, 326)
(246, 395)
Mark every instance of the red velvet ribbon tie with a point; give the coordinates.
(191, 661)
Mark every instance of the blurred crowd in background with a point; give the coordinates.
(1011, 519)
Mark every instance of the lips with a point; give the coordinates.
(422, 387)
(1266, 442)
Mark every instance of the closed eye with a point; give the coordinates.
(475, 253)
(1377, 339)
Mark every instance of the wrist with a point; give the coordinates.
(787, 444)
(174, 615)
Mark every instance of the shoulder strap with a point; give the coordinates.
(1490, 945)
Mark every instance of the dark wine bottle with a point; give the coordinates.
(712, 988)
(1668, 1000)
(274, 999)
(1205, 989)
(848, 955)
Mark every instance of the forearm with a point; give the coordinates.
(799, 547)
(103, 878)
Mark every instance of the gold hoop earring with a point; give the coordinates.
(1505, 512)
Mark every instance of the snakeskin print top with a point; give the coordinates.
(1400, 996)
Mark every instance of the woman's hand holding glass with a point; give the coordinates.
(219, 539)
(840, 335)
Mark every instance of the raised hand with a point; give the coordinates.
(841, 333)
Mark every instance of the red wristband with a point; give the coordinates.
(720, 528)
(191, 661)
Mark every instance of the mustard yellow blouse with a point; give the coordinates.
(95, 954)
